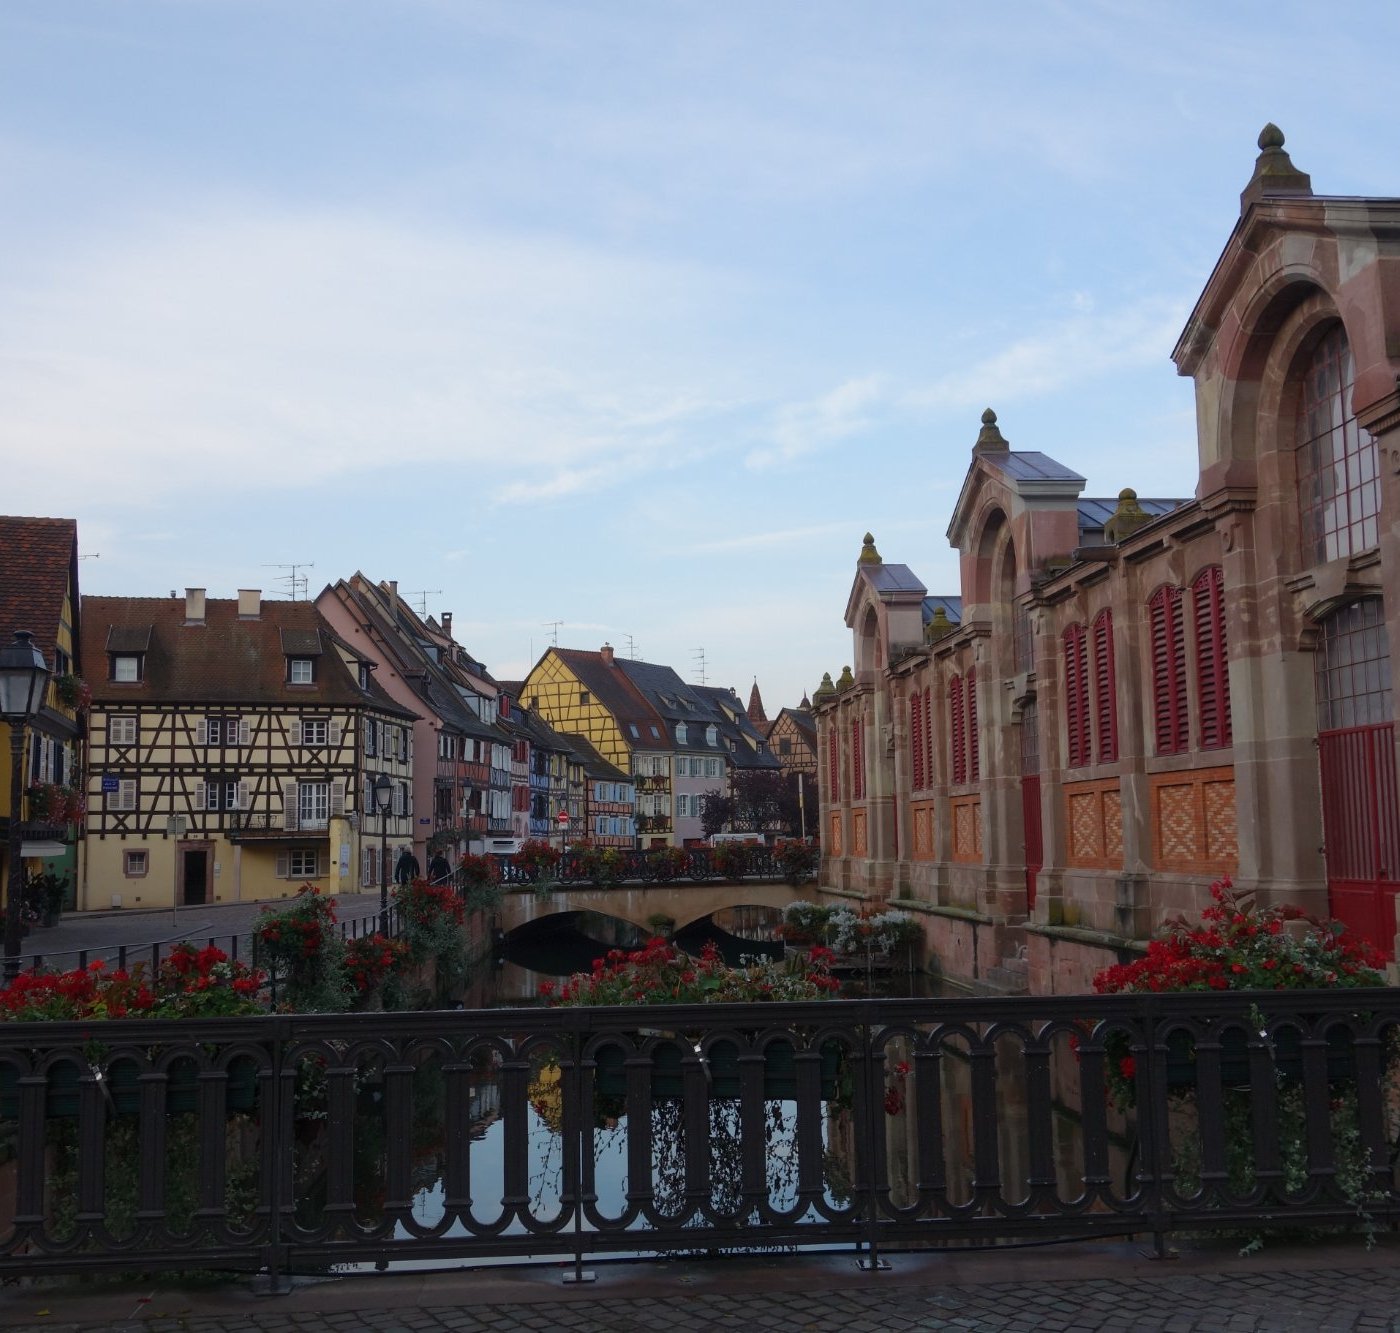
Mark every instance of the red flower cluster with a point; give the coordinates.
(660, 974)
(204, 982)
(370, 959)
(1238, 946)
(298, 931)
(423, 904)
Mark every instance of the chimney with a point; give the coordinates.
(447, 623)
(249, 603)
(606, 653)
(194, 606)
(394, 600)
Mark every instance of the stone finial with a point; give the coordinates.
(868, 554)
(938, 626)
(1127, 518)
(825, 690)
(989, 438)
(1274, 172)
(846, 680)
(806, 705)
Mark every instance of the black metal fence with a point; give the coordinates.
(287, 1143)
(694, 865)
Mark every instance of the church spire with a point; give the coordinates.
(756, 713)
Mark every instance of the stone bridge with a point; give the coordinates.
(683, 903)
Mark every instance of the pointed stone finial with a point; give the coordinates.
(989, 438)
(1127, 518)
(868, 554)
(846, 680)
(806, 705)
(825, 690)
(938, 626)
(1274, 172)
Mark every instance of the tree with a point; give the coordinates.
(763, 801)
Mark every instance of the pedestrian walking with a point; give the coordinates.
(406, 869)
(439, 869)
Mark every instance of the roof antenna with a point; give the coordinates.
(296, 581)
(553, 627)
(422, 594)
(631, 647)
(698, 654)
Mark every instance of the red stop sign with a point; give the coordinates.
(563, 816)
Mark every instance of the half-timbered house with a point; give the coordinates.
(234, 745)
(1136, 697)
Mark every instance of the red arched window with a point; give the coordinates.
(974, 745)
(1076, 696)
(916, 739)
(833, 755)
(1168, 671)
(857, 763)
(1105, 689)
(957, 730)
(1212, 670)
(1338, 478)
(928, 736)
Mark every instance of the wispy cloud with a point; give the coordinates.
(801, 428)
(758, 541)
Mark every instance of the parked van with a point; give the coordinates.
(760, 838)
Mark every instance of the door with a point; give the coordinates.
(1030, 799)
(194, 876)
(1356, 756)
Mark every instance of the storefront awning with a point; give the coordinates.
(43, 849)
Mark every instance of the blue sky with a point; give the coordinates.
(629, 315)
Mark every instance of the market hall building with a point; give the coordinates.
(1130, 698)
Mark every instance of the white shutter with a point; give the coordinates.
(244, 799)
(126, 795)
(201, 731)
(333, 733)
(244, 736)
(289, 806)
(201, 796)
(338, 798)
(284, 865)
(296, 731)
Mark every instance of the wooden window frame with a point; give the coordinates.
(1167, 643)
(131, 856)
(957, 731)
(1078, 738)
(1212, 664)
(1105, 669)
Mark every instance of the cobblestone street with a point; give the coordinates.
(1321, 1290)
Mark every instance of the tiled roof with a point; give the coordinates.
(38, 556)
(594, 765)
(612, 688)
(224, 660)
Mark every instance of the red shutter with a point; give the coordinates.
(928, 737)
(1076, 697)
(974, 740)
(833, 754)
(1168, 671)
(916, 739)
(957, 729)
(1212, 670)
(857, 763)
(1105, 688)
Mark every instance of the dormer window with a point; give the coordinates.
(301, 671)
(711, 734)
(680, 733)
(128, 668)
(364, 675)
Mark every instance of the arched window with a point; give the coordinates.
(957, 730)
(1077, 696)
(1212, 670)
(1338, 485)
(1168, 670)
(1105, 688)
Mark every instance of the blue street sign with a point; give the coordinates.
(110, 784)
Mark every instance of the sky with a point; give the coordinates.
(631, 315)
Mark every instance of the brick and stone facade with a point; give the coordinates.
(1127, 698)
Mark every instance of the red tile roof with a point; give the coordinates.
(38, 556)
(225, 659)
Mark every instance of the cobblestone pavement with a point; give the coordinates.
(101, 933)
(1318, 1299)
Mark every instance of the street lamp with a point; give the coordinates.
(383, 798)
(24, 676)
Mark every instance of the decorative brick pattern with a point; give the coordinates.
(834, 839)
(1095, 821)
(1085, 827)
(859, 842)
(923, 832)
(967, 828)
(1113, 826)
(1193, 821)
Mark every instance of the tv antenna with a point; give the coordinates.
(295, 580)
(553, 627)
(631, 647)
(94, 555)
(422, 594)
(698, 656)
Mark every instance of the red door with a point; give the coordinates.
(1030, 799)
(1361, 823)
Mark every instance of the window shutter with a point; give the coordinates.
(126, 796)
(338, 798)
(284, 865)
(928, 736)
(333, 733)
(201, 731)
(916, 739)
(289, 806)
(857, 762)
(1076, 697)
(201, 796)
(244, 796)
(1212, 668)
(296, 731)
(1105, 688)
(974, 739)
(1168, 671)
(244, 735)
(833, 754)
(957, 730)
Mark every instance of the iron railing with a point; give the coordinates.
(696, 865)
(295, 1143)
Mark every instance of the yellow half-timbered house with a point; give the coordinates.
(234, 747)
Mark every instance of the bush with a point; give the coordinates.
(798, 860)
(431, 920)
(537, 860)
(664, 864)
(304, 953)
(481, 882)
(730, 860)
(371, 960)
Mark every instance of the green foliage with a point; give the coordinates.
(300, 947)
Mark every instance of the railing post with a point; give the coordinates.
(573, 1171)
(276, 1164)
(867, 1107)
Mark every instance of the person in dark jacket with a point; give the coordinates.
(439, 869)
(406, 868)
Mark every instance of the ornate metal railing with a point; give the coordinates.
(289, 1143)
(694, 865)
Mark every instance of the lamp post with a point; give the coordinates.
(24, 676)
(383, 798)
(563, 818)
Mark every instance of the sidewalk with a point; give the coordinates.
(1067, 1287)
(101, 933)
